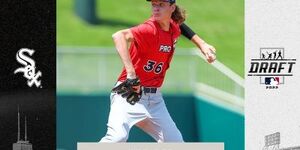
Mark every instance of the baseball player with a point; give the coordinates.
(136, 98)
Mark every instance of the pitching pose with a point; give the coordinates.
(136, 98)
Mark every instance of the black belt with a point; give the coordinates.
(149, 90)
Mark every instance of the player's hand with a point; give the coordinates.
(209, 52)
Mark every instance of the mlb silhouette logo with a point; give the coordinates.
(272, 81)
(271, 53)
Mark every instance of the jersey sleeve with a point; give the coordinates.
(144, 34)
(177, 29)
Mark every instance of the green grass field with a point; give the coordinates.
(218, 22)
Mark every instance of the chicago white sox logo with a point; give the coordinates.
(29, 67)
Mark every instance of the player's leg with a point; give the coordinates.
(169, 130)
(150, 128)
(160, 125)
(117, 126)
(122, 117)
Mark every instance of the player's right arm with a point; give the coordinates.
(121, 40)
(207, 50)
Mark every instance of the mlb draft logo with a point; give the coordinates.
(272, 67)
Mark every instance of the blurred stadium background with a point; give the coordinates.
(206, 101)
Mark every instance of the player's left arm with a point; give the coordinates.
(207, 50)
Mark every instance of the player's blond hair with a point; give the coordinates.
(178, 15)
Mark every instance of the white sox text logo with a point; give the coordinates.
(28, 70)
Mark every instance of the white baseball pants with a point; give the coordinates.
(150, 114)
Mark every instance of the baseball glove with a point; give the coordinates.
(129, 89)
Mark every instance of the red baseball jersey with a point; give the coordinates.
(151, 52)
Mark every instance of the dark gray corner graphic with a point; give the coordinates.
(272, 142)
(22, 144)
